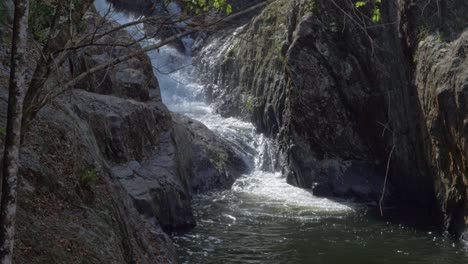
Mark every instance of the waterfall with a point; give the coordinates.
(262, 219)
(182, 94)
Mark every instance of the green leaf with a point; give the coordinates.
(197, 6)
(228, 9)
(360, 4)
(2, 133)
(376, 15)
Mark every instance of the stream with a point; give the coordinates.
(262, 219)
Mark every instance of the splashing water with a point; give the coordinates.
(262, 219)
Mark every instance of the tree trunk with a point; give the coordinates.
(13, 133)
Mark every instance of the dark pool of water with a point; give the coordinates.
(251, 225)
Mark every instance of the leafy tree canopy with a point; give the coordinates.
(198, 6)
(376, 14)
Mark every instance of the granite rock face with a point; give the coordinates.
(286, 82)
(215, 163)
(442, 81)
(132, 78)
(68, 193)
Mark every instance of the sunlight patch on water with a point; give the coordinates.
(273, 189)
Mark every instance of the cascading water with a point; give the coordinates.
(262, 219)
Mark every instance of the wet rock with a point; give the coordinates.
(124, 129)
(354, 180)
(215, 163)
(156, 189)
(162, 162)
(442, 83)
(92, 218)
(133, 78)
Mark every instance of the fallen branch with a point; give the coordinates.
(385, 180)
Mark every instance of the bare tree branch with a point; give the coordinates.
(158, 45)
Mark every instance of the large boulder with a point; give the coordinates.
(132, 78)
(70, 201)
(216, 164)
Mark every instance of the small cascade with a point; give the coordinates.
(182, 94)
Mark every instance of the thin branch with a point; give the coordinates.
(385, 181)
(157, 45)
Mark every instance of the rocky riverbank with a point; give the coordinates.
(106, 170)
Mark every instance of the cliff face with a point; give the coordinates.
(347, 98)
(441, 78)
(299, 78)
(106, 169)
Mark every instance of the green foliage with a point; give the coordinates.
(233, 49)
(220, 161)
(438, 37)
(279, 49)
(376, 12)
(75, 4)
(279, 53)
(88, 177)
(360, 4)
(40, 19)
(249, 104)
(309, 6)
(2, 14)
(231, 53)
(2, 133)
(42, 14)
(198, 6)
(82, 26)
(376, 15)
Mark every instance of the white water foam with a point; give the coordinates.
(273, 187)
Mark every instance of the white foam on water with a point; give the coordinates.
(273, 187)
